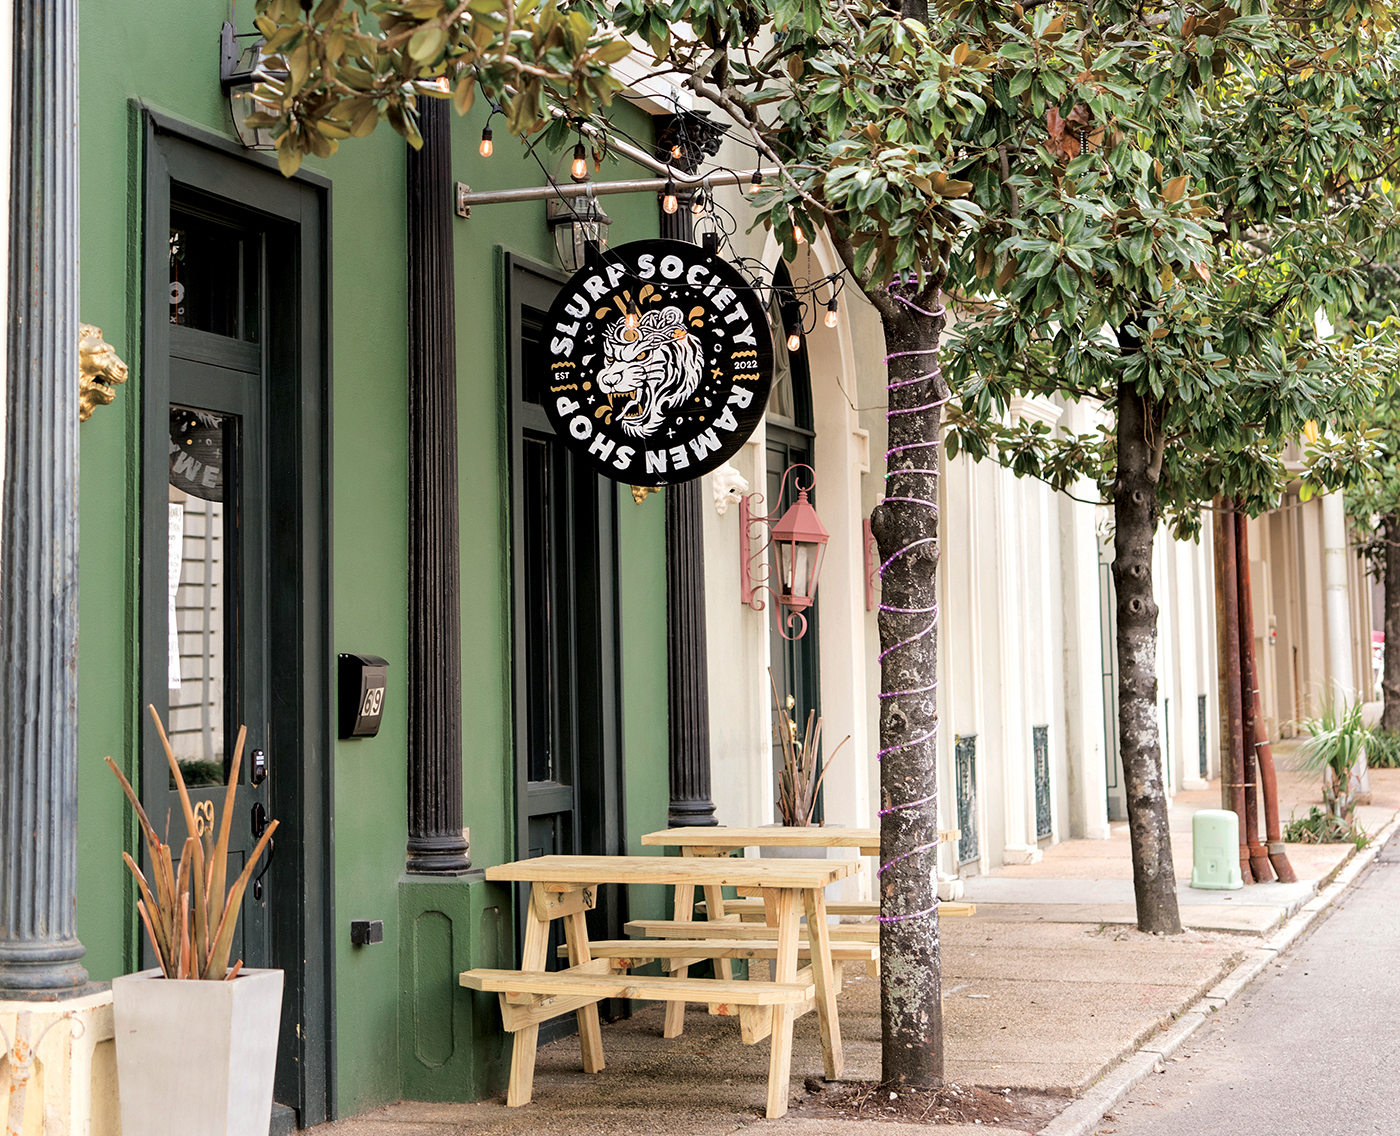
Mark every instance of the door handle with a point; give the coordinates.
(258, 774)
(259, 827)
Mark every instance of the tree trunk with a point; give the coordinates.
(905, 526)
(1233, 773)
(1390, 677)
(1135, 525)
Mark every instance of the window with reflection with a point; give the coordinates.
(202, 554)
(213, 277)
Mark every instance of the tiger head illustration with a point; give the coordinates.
(649, 370)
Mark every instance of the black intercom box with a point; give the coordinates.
(363, 679)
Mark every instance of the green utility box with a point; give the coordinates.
(1215, 850)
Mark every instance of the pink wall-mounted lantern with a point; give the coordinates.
(799, 539)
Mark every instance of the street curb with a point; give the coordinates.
(1084, 1114)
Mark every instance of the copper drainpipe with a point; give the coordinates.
(1231, 631)
(1249, 686)
(1268, 778)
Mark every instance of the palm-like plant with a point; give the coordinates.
(800, 778)
(1335, 750)
(188, 915)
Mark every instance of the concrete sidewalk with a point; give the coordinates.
(1037, 1007)
(1046, 992)
(1090, 881)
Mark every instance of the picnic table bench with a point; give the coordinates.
(565, 887)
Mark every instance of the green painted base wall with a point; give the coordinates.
(451, 1045)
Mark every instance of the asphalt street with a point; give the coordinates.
(1310, 1048)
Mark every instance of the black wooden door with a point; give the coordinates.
(216, 522)
(235, 625)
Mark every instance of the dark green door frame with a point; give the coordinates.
(194, 162)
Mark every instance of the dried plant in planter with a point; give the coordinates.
(800, 777)
(188, 916)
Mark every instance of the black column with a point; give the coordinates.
(435, 842)
(39, 947)
(687, 661)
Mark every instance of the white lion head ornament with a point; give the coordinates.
(649, 371)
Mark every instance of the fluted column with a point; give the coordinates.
(435, 842)
(687, 661)
(39, 947)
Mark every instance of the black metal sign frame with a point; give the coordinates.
(658, 361)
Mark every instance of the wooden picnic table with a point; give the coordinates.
(715, 840)
(719, 840)
(565, 887)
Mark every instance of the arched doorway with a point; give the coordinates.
(790, 440)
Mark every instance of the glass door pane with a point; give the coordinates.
(203, 631)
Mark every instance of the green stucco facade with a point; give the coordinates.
(403, 1028)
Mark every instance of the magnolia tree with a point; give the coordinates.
(1143, 205)
(1373, 504)
(1169, 195)
(865, 113)
(1373, 498)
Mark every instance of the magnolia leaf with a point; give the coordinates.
(465, 94)
(612, 52)
(1173, 190)
(427, 43)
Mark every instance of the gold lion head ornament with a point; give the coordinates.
(100, 370)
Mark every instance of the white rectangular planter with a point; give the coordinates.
(196, 1058)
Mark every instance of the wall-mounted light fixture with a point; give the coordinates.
(798, 537)
(574, 224)
(242, 67)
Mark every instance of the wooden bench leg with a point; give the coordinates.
(714, 911)
(675, 1011)
(526, 1041)
(590, 1034)
(826, 982)
(784, 910)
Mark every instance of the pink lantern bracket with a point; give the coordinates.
(799, 539)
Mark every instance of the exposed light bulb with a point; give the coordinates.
(756, 183)
(797, 234)
(831, 313)
(579, 170)
(669, 202)
(486, 145)
(633, 319)
(676, 151)
(697, 205)
(794, 341)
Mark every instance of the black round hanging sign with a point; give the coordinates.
(656, 363)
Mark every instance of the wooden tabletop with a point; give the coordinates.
(675, 870)
(775, 836)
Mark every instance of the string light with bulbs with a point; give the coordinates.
(721, 225)
(926, 465)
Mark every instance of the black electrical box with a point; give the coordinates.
(366, 932)
(363, 679)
